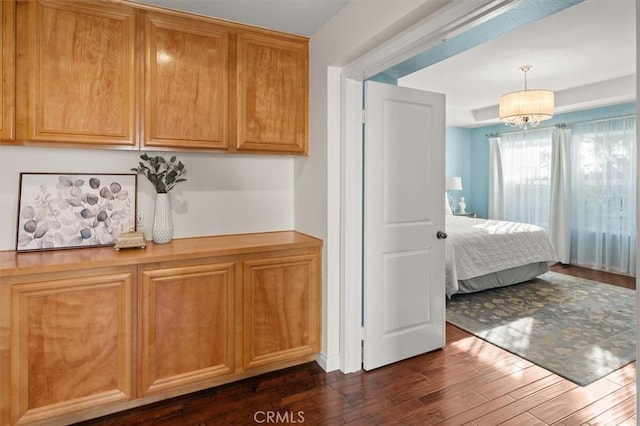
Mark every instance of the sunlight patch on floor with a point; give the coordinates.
(516, 333)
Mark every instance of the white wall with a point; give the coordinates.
(223, 194)
(356, 29)
(230, 194)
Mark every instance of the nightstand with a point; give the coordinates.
(466, 214)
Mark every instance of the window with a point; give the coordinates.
(603, 202)
(526, 172)
(602, 195)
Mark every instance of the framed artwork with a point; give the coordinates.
(61, 211)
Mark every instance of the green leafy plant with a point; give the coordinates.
(162, 174)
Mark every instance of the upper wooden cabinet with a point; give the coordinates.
(186, 83)
(7, 70)
(75, 72)
(126, 75)
(210, 85)
(272, 78)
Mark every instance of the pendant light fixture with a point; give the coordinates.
(526, 108)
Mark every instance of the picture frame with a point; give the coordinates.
(74, 210)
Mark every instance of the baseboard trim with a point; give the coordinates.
(328, 363)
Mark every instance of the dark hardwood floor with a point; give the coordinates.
(625, 281)
(468, 382)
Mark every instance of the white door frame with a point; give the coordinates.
(456, 17)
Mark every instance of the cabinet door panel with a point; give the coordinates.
(186, 325)
(78, 62)
(186, 79)
(272, 76)
(281, 308)
(71, 345)
(7, 70)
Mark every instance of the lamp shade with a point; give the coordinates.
(526, 107)
(453, 183)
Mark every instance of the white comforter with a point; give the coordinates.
(476, 247)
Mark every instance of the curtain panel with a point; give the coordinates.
(560, 193)
(496, 194)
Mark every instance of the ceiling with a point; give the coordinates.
(301, 17)
(586, 54)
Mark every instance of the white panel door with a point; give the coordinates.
(404, 168)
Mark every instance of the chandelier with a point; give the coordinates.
(526, 107)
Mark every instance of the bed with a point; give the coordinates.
(482, 254)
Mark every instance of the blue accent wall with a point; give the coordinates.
(468, 151)
(458, 160)
(384, 78)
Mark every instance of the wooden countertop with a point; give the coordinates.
(14, 263)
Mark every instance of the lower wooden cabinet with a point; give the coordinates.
(187, 325)
(71, 344)
(78, 343)
(280, 305)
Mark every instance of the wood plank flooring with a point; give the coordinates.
(625, 281)
(468, 382)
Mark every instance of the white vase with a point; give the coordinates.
(162, 219)
(462, 205)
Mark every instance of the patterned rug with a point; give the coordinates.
(579, 329)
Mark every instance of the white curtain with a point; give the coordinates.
(577, 182)
(560, 187)
(496, 196)
(604, 181)
(526, 175)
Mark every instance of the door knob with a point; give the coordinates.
(441, 235)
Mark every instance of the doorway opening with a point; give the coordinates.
(394, 52)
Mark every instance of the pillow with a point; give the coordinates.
(447, 209)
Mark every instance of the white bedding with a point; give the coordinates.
(476, 247)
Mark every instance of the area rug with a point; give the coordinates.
(579, 329)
